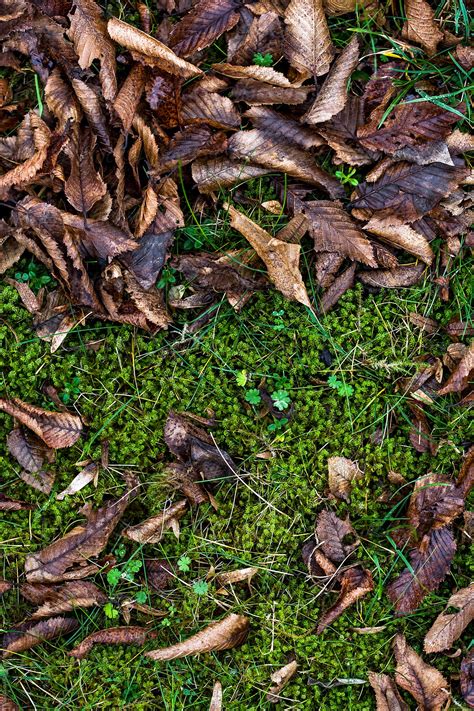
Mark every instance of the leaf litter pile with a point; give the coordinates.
(152, 117)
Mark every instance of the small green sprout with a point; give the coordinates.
(71, 390)
(347, 177)
(34, 276)
(279, 324)
(281, 399)
(110, 611)
(241, 378)
(184, 564)
(141, 597)
(281, 381)
(200, 587)
(253, 396)
(340, 387)
(278, 425)
(262, 60)
(167, 277)
(113, 576)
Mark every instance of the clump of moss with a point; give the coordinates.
(126, 388)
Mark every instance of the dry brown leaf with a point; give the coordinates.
(127, 100)
(355, 583)
(4, 587)
(88, 474)
(207, 21)
(159, 573)
(227, 633)
(280, 679)
(467, 678)
(447, 628)
(60, 99)
(90, 104)
(113, 635)
(208, 107)
(8, 504)
(56, 429)
(212, 174)
(84, 186)
(342, 473)
(331, 534)
(263, 34)
(23, 173)
(332, 96)
(65, 558)
(89, 36)
(420, 25)
(216, 699)
(257, 93)
(307, 42)
(393, 278)
(58, 599)
(7, 704)
(10, 252)
(268, 75)
(459, 378)
(153, 52)
(387, 695)
(403, 237)
(280, 258)
(425, 683)
(276, 123)
(236, 576)
(153, 529)
(342, 283)
(28, 449)
(29, 634)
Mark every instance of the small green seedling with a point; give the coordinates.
(128, 572)
(281, 381)
(141, 597)
(184, 564)
(263, 60)
(34, 276)
(253, 396)
(200, 587)
(340, 387)
(278, 425)
(71, 390)
(167, 278)
(110, 611)
(279, 324)
(281, 399)
(241, 378)
(347, 177)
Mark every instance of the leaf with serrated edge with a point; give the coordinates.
(447, 628)
(425, 683)
(307, 42)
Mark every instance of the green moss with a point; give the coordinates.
(128, 385)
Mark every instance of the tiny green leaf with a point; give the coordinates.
(281, 399)
(200, 587)
(253, 397)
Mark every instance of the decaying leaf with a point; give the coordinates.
(88, 474)
(58, 599)
(56, 429)
(332, 96)
(159, 573)
(355, 583)
(29, 634)
(229, 632)
(387, 695)
(420, 26)
(332, 533)
(114, 635)
(8, 504)
(66, 558)
(216, 699)
(393, 278)
(459, 378)
(404, 237)
(447, 628)
(28, 449)
(307, 42)
(207, 21)
(280, 679)
(7, 704)
(467, 679)
(425, 683)
(342, 473)
(5, 586)
(153, 529)
(280, 258)
(236, 576)
(212, 174)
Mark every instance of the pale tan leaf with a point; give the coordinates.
(404, 237)
(393, 278)
(153, 50)
(10, 252)
(89, 36)
(88, 474)
(216, 699)
(148, 139)
(459, 378)
(268, 75)
(332, 96)
(280, 679)
(225, 634)
(447, 628)
(342, 473)
(127, 100)
(387, 695)
(425, 683)
(60, 99)
(420, 26)
(206, 107)
(258, 93)
(236, 576)
(22, 174)
(307, 42)
(280, 258)
(147, 212)
(153, 529)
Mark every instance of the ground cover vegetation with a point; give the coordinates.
(235, 342)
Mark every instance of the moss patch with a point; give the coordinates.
(128, 382)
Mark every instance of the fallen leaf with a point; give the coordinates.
(280, 679)
(227, 633)
(307, 41)
(258, 93)
(212, 174)
(236, 576)
(128, 98)
(386, 693)
(332, 96)
(65, 558)
(392, 278)
(5, 586)
(280, 258)
(216, 699)
(88, 474)
(159, 573)
(153, 52)
(152, 530)
(425, 683)
(342, 473)
(56, 429)
(459, 378)
(355, 583)
(447, 628)
(208, 107)
(207, 21)
(342, 283)
(113, 635)
(268, 75)
(29, 634)
(420, 25)
(28, 449)
(7, 704)
(331, 535)
(404, 237)
(467, 679)
(57, 599)
(84, 186)
(8, 504)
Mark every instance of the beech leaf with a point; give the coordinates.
(56, 429)
(447, 628)
(425, 683)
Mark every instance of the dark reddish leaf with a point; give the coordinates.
(113, 635)
(207, 21)
(159, 573)
(355, 583)
(467, 679)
